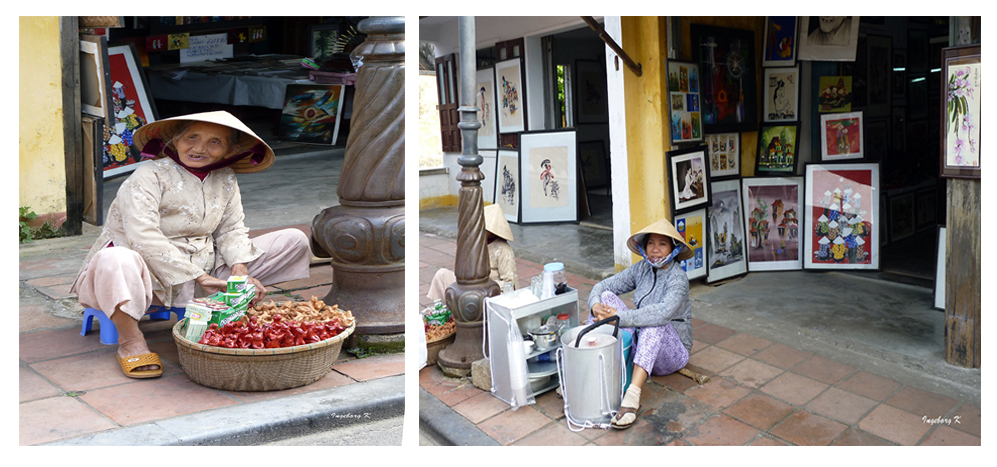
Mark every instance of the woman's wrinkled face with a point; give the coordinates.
(204, 143)
(658, 247)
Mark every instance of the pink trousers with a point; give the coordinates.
(118, 276)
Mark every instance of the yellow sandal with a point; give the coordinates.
(129, 365)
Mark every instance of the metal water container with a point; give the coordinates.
(590, 367)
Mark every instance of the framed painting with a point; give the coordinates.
(939, 292)
(323, 40)
(842, 226)
(685, 121)
(591, 102)
(782, 95)
(879, 75)
(725, 232)
(841, 136)
(828, 38)
(485, 100)
(506, 193)
(725, 155)
(95, 77)
(901, 213)
(93, 179)
(692, 227)
(726, 60)
(594, 165)
(777, 150)
(511, 98)
(311, 113)
(960, 112)
(771, 215)
(548, 164)
(133, 107)
(780, 41)
(835, 94)
(488, 168)
(925, 209)
(688, 180)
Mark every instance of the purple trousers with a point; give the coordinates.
(658, 350)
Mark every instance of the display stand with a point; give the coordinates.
(499, 320)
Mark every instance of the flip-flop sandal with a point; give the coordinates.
(622, 413)
(129, 365)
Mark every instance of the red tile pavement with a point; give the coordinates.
(806, 429)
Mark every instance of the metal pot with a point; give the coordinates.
(591, 373)
(545, 337)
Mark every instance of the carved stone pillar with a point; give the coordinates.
(365, 234)
(465, 298)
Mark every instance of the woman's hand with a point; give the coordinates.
(601, 312)
(211, 284)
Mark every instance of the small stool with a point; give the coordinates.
(109, 332)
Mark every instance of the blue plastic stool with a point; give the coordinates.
(109, 332)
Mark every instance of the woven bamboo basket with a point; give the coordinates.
(257, 370)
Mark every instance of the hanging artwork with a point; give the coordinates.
(685, 115)
(777, 149)
(692, 227)
(782, 94)
(548, 162)
(841, 136)
(311, 113)
(507, 183)
(687, 178)
(595, 167)
(726, 60)
(960, 112)
(133, 107)
(835, 94)
(842, 216)
(780, 41)
(828, 38)
(488, 167)
(95, 86)
(772, 209)
(725, 155)
(484, 99)
(725, 232)
(509, 89)
(590, 92)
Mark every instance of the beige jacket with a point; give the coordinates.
(177, 224)
(503, 263)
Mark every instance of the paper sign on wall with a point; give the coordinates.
(207, 47)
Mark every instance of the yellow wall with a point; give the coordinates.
(41, 146)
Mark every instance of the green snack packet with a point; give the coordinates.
(237, 284)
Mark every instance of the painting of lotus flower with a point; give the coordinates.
(311, 113)
(961, 112)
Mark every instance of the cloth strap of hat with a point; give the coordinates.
(154, 146)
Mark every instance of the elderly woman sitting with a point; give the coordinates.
(175, 230)
(501, 258)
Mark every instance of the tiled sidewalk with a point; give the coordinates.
(71, 385)
(760, 393)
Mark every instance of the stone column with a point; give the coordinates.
(365, 234)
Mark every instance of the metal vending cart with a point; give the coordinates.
(518, 376)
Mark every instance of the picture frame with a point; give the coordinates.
(688, 178)
(782, 95)
(692, 227)
(834, 94)
(548, 167)
(775, 246)
(507, 191)
(488, 167)
(839, 139)
(487, 113)
(780, 41)
(510, 96)
(591, 101)
(727, 56)
(778, 149)
(133, 107)
(322, 39)
(95, 77)
(685, 121)
(311, 113)
(901, 213)
(842, 208)
(879, 79)
(828, 38)
(960, 112)
(93, 180)
(725, 232)
(925, 209)
(594, 164)
(938, 292)
(725, 155)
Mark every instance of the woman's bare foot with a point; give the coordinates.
(134, 348)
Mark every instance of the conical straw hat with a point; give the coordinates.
(166, 129)
(496, 223)
(661, 227)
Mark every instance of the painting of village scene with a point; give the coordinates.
(772, 207)
(842, 212)
(685, 119)
(725, 232)
(776, 150)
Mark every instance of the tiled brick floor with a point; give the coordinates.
(761, 393)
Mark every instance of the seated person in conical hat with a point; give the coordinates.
(500, 256)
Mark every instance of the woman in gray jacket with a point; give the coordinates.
(661, 319)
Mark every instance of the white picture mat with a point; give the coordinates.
(487, 116)
(488, 168)
(507, 160)
(830, 117)
(748, 207)
(940, 270)
(731, 144)
(697, 160)
(537, 146)
(874, 217)
(809, 50)
(512, 71)
(791, 81)
(737, 267)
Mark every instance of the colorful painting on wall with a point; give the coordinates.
(548, 163)
(772, 209)
(692, 227)
(725, 155)
(835, 94)
(841, 136)
(132, 108)
(507, 183)
(782, 94)
(961, 112)
(311, 113)
(508, 84)
(684, 108)
(842, 216)
(780, 41)
(725, 232)
(726, 60)
(777, 150)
